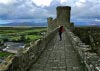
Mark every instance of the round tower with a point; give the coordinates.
(63, 16)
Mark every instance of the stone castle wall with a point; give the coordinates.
(89, 59)
(24, 59)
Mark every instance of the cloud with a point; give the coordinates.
(97, 20)
(43, 3)
(5, 22)
(35, 9)
(88, 8)
(26, 9)
(5, 1)
(19, 9)
(22, 8)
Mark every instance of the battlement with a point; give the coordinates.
(63, 7)
(49, 18)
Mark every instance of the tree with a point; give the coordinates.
(22, 38)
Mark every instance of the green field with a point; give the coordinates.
(14, 34)
(20, 30)
(33, 37)
(5, 54)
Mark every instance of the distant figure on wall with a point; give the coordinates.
(61, 30)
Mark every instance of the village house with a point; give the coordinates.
(13, 47)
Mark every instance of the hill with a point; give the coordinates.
(24, 24)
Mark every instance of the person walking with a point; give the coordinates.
(61, 30)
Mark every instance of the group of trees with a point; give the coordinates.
(3, 40)
(22, 38)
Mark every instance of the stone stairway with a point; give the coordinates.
(58, 56)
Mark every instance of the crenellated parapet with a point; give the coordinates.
(52, 24)
(49, 20)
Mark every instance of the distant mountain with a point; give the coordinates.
(87, 24)
(24, 24)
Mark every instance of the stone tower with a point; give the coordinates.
(63, 16)
(49, 20)
(51, 24)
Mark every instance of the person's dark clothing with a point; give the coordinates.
(60, 32)
(60, 35)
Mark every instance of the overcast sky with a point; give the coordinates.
(83, 11)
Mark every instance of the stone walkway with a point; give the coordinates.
(58, 56)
